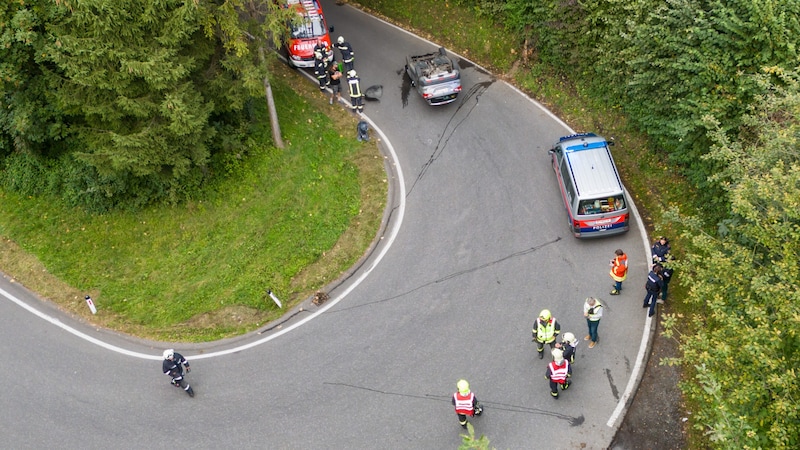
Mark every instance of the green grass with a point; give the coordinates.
(657, 188)
(456, 28)
(288, 220)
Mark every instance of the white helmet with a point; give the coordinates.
(169, 353)
(318, 54)
(340, 40)
(569, 338)
(351, 74)
(558, 355)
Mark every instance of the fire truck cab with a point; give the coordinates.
(306, 32)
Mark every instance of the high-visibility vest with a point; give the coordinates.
(619, 268)
(594, 312)
(559, 373)
(546, 332)
(355, 87)
(464, 403)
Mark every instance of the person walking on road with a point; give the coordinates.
(593, 311)
(356, 96)
(568, 345)
(173, 366)
(465, 402)
(619, 270)
(662, 256)
(348, 56)
(558, 373)
(653, 286)
(545, 330)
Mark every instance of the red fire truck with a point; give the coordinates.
(306, 33)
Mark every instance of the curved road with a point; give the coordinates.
(479, 245)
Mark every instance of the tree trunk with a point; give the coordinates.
(273, 114)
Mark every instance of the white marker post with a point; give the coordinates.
(91, 305)
(274, 299)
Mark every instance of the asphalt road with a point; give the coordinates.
(476, 244)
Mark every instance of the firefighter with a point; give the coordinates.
(347, 53)
(568, 345)
(466, 403)
(321, 70)
(545, 330)
(356, 96)
(323, 48)
(558, 373)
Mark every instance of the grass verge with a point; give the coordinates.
(288, 220)
(657, 188)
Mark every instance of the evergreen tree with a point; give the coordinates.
(122, 102)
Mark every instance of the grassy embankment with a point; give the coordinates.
(290, 220)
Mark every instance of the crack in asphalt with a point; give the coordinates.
(456, 274)
(475, 91)
(573, 421)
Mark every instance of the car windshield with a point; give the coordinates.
(601, 205)
(308, 28)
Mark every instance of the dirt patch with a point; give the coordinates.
(229, 317)
(655, 419)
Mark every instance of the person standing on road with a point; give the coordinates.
(593, 311)
(173, 366)
(653, 286)
(335, 76)
(568, 345)
(558, 373)
(323, 48)
(321, 70)
(662, 256)
(545, 330)
(465, 402)
(619, 270)
(356, 96)
(348, 56)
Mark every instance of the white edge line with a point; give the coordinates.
(637, 366)
(393, 235)
(645, 335)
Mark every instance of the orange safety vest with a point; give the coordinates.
(619, 268)
(559, 373)
(464, 403)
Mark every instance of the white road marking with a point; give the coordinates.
(393, 232)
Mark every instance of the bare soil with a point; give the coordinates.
(655, 419)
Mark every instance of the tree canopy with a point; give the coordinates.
(123, 102)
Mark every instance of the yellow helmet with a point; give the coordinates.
(463, 387)
(545, 314)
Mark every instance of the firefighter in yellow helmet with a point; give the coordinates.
(465, 402)
(545, 330)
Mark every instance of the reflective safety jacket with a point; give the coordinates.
(619, 267)
(347, 51)
(465, 404)
(593, 313)
(558, 372)
(546, 331)
(355, 86)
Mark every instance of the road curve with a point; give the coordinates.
(475, 245)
